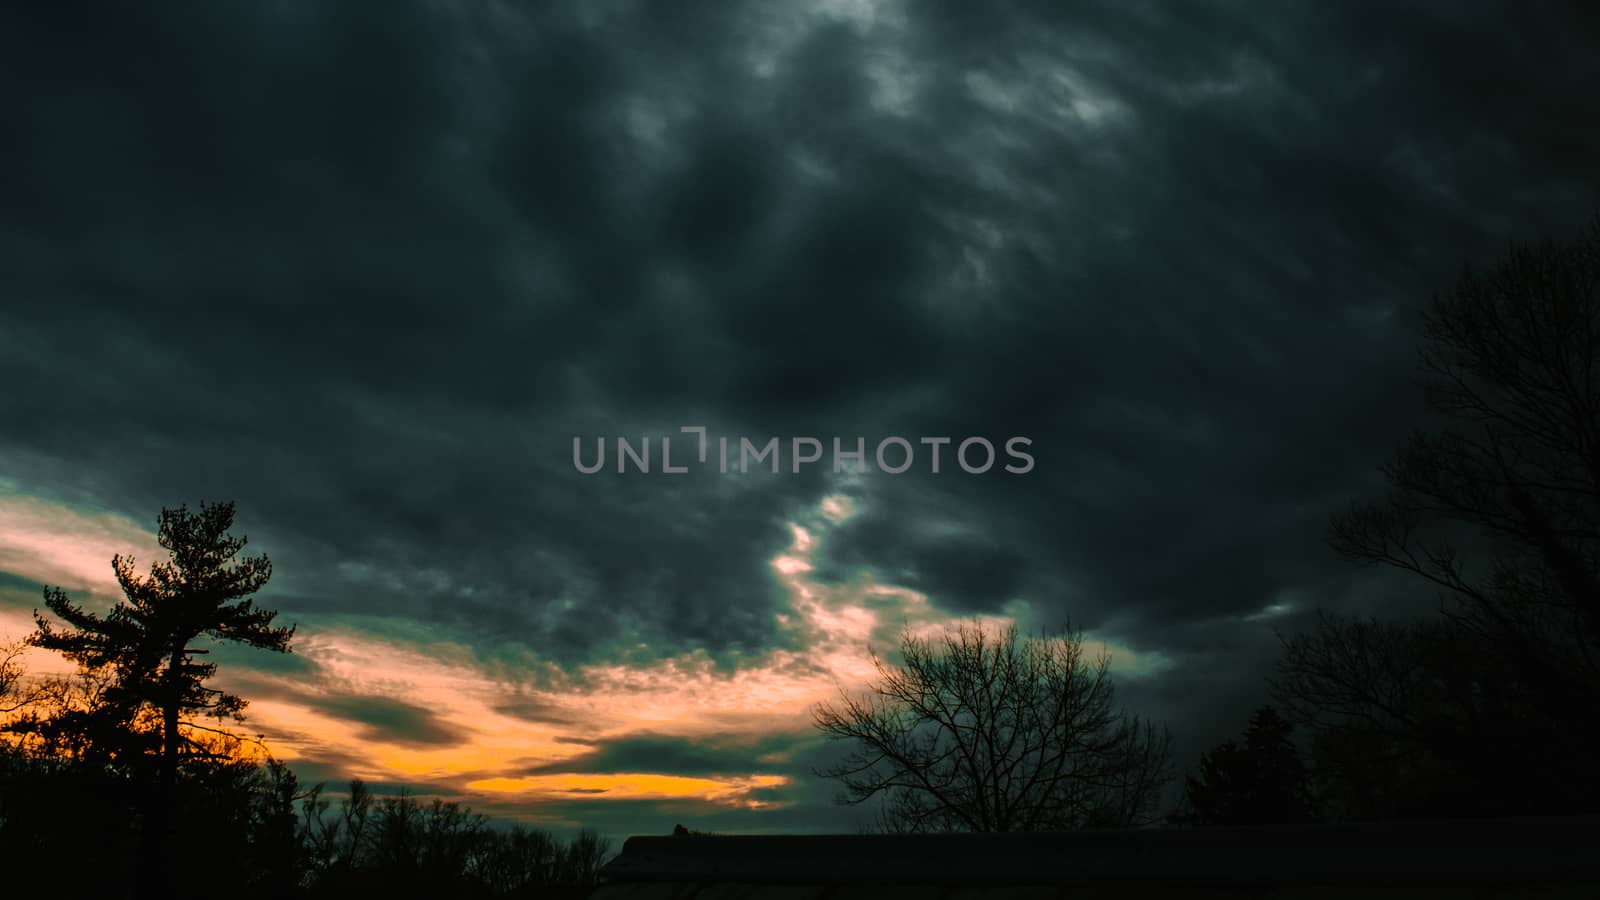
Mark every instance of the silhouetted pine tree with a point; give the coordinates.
(1258, 781)
(146, 642)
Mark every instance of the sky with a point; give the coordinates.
(368, 270)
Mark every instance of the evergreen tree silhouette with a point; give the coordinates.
(1259, 781)
(147, 640)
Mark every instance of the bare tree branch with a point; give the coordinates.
(987, 731)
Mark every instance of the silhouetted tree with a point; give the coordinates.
(984, 731)
(1466, 714)
(13, 696)
(69, 717)
(1426, 718)
(335, 847)
(277, 838)
(521, 861)
(427, 847)
(1259, 780)
(1514, 355)
(401, 846)
(147, 641)
(579, 863)
(77, 754)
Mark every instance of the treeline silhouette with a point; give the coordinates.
(126, 779)
(249, 828)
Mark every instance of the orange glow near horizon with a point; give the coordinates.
(484, 728)
(633, 786)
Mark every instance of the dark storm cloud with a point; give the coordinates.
(369, 274)
(804, 804)
(386, 719)
(1219, 352)
(402, 265)
(704, 755)
(541, 711)
(19, 585)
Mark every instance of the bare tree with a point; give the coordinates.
(75, 717)
(14, 695)
(985, 731)
(580, 862)
(1513, 359)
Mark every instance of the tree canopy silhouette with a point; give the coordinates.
(1259, 780)
(12, 695)
(147, 640)
(146, 644)
(1514, 358)
(77, 755)
(1497, 508)
(985, 731)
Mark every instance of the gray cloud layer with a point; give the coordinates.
(368, 272)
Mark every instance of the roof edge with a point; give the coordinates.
(1435, 852)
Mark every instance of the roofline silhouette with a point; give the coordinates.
(1544, 849)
